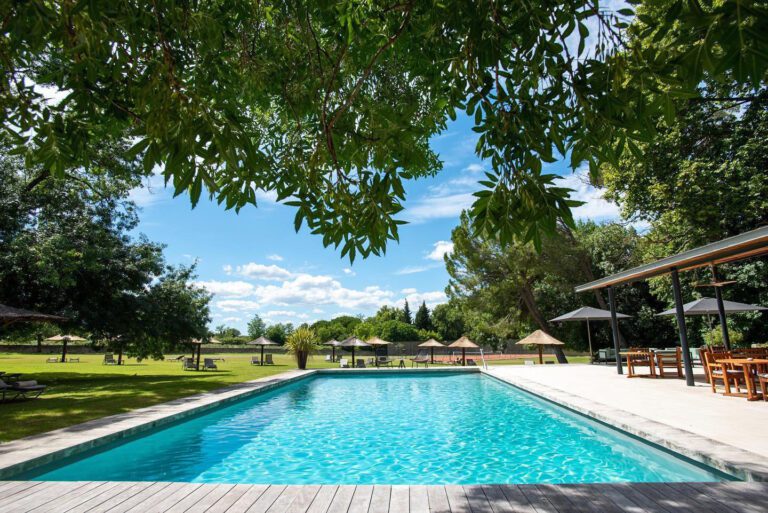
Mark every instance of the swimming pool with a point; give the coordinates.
(383, 429)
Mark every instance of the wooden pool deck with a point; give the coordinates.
(146, 497)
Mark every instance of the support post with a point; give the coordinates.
(680, 313)
(589, 338)
(721, 311)
(199, 350)
(261, 362)
(615, 328)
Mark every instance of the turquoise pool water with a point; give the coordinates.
(384, 429)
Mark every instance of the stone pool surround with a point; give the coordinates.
(26, 454)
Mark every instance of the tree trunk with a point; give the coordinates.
(39, 343)
(120, 355)
(530, 304)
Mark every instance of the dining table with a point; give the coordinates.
(750, 367)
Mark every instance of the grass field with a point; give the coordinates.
(78, 392)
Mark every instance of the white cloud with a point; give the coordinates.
(227, 288)
(412, 269)
(285, 313)
(439, 249)
(349, 272)
(475, 168)
(151, 191)
(275, 258)
(237, 305)
(438, 207)
(432, 298)
(317, 310)
(232, 319)
(263, 272)
(595, 206)
(408, 291)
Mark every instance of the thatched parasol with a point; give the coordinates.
(64, 339)
(334, 344)
(431, 344)
(464, 343)
(540, 339)
(262, 341)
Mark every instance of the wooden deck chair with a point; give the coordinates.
(734, 376)
(670, 360)
(268, 359)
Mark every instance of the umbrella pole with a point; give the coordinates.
(589, 338)
(463, 357)
(353, 357)
(432, 351)
(262, 355)
(541, 356)
(64, 349)
(333, 353)
(199, 350)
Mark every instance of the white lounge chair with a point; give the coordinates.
(344, 363)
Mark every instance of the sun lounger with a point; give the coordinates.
(52, 360)
(383, 361)
(209, 365)
(420, 361)
(343, 363)
(189, 364)
(21, 389)
(255, 360)
(328, 358)
(109, 359)
(360, 363)
(268, 359)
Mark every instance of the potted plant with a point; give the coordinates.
(301, 343)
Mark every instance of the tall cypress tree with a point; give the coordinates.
(422, 319)
(407, 314)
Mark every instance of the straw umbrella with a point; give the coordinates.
(431, 344)
(262, 341)
(376, 343)
(540, 339)
(464, 343)
(64, 339)
(353, 342)
(334, 344)
(587, 313)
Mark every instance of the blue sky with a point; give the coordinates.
(255, 263)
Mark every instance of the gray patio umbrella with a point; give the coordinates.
(262, 341)
(64, 339)
(353, 342)
(334, 344)
(431, 344)
(708, 306)
(587, 313)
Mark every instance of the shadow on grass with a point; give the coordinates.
(75, 397)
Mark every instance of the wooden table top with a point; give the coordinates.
(742, 361)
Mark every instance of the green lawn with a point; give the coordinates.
(78, 392)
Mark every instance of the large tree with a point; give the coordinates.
(332, 104)
(66, 247)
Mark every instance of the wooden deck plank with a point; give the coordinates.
(125, 501)
(476, 498)
(664, 497)
(705, 504)
(399, 499)
(247, 499)
(82, 501)
(228, 499)
(532, 495)
(304, 499)
(563, 501)
(206, 503)
(39, 495)
(438, 499)
(16, 487)
(191, 498)
(111, 498)
(361, 499)
(342, 499)
(498, 501)
(457, 499)
(649, 504)
(165, 499)
(267, 499)
(380, 499)
(148, 496)
(419, 500)
(285, 499)
(611, 493)
(584, 495)
(323, 499)
(744, 499)
(65, 500)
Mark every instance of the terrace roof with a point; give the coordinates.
(745, 245)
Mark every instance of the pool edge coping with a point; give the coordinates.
(28, 453)
(725, 458)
